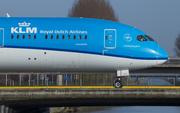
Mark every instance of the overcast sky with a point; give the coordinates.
(158, 18)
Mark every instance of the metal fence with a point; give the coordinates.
(83, 80)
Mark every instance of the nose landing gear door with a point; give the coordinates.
(110, 39)
(1, 37)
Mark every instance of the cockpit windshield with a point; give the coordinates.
(141, 38)
(149, 38)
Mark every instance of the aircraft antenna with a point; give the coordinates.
(7, 15)
(134, 28)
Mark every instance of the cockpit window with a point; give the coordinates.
(141, 38)
(149, 38)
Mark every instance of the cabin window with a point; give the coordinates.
(149, 38)
(68, 36)
(23, 36)
(51, 36)
(74, 37)
(141, 38)
(57, 36)
(85, 37)
(29, 36)
(34, 36)
(17, 36)
(63, 36)
(12, 36)
(46, 37)
(79, 36)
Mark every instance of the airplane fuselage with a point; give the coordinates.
(74, 45)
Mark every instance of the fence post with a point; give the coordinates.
(56, 82)
(45, 79)
(127, 81)
(10, 82)
(33, 82)
(37, 79)
(71, 79)
(137, 79)
(103, 82)
(148, 84)
(66, 80)
(20, 80)
(6, 79)
(42, 79)
(47, 84)
(114, 84)
(13, 84)
(52, 79)
(80, 83)
(29, 80)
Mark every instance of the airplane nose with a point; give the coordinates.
(162, 56)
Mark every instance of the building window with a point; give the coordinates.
(79, 36)
(12, 36)
(34, 36)
(23, 36)
(46, 37)
(74, 37)
(51, 36)
(62, 36)
(29, 36)
(85, 37)
(57, 36)
(68, 36)
(17, 36)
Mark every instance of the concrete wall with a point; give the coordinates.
(59, 80)
(56, 98)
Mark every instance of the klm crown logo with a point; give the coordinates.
(24, 28)
(24, 24)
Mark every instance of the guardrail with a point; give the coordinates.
(87, 87)
(173, 60)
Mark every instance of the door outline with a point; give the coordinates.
(2, 29)
(105, 39)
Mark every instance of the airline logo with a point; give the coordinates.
(24, 28)
(127, 37)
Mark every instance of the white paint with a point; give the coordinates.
(121, 73)
(19, 30)
(24, 25)
(104, 51)
(27, 60)
(127, 37)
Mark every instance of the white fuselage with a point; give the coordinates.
(37, 61)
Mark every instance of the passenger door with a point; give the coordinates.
(1, 37)
(110, 39)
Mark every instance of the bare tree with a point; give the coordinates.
(177, 46)
(100, 9)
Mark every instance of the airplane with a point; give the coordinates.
(75, 45)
